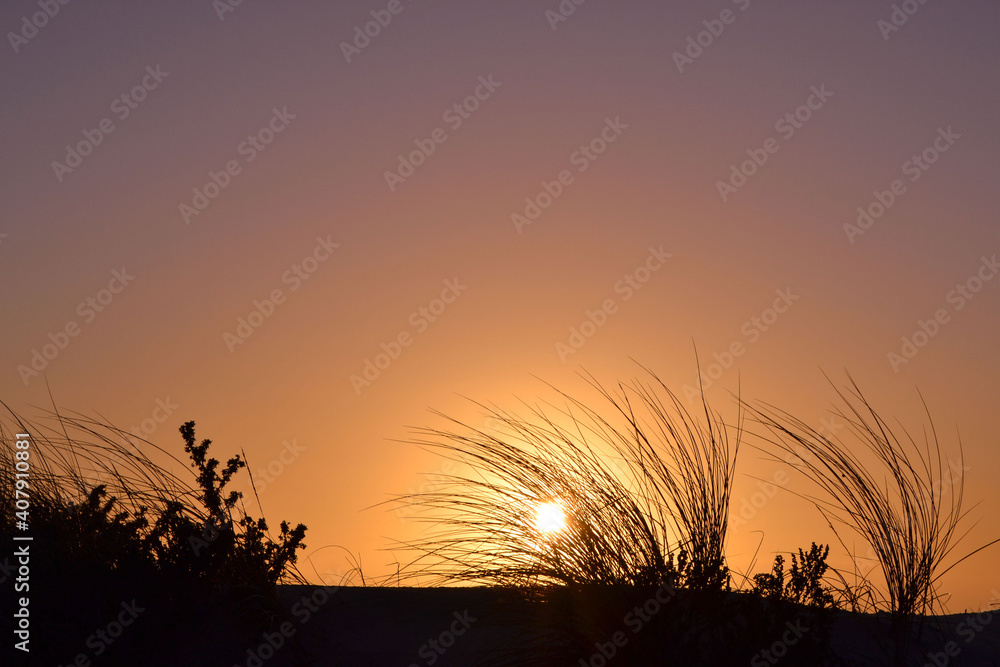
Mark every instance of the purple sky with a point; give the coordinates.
(620, 142)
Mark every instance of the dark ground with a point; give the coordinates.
(412, 627)
(418, 627)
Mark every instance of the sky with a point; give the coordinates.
(306, 225)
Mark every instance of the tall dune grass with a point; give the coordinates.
(645, 488)
(95, 492)
(895, 498)
(109, 525)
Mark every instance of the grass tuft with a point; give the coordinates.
(109, 524)
(645, 492)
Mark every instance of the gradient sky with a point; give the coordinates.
(887, 96)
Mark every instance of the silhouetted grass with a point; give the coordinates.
(896, 501)
(109, 525)
(644, 484)
(645, 487)
(645, 491)
(900, 505)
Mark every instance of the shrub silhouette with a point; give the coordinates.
(186, 549)
(805, 579)
(240, 553)
(185, 540)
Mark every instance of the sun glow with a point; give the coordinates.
(550, 518)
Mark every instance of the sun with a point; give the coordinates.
(550, 518)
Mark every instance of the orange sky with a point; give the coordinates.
(492, 197)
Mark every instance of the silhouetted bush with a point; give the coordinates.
(804, 584)
(109, 526)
